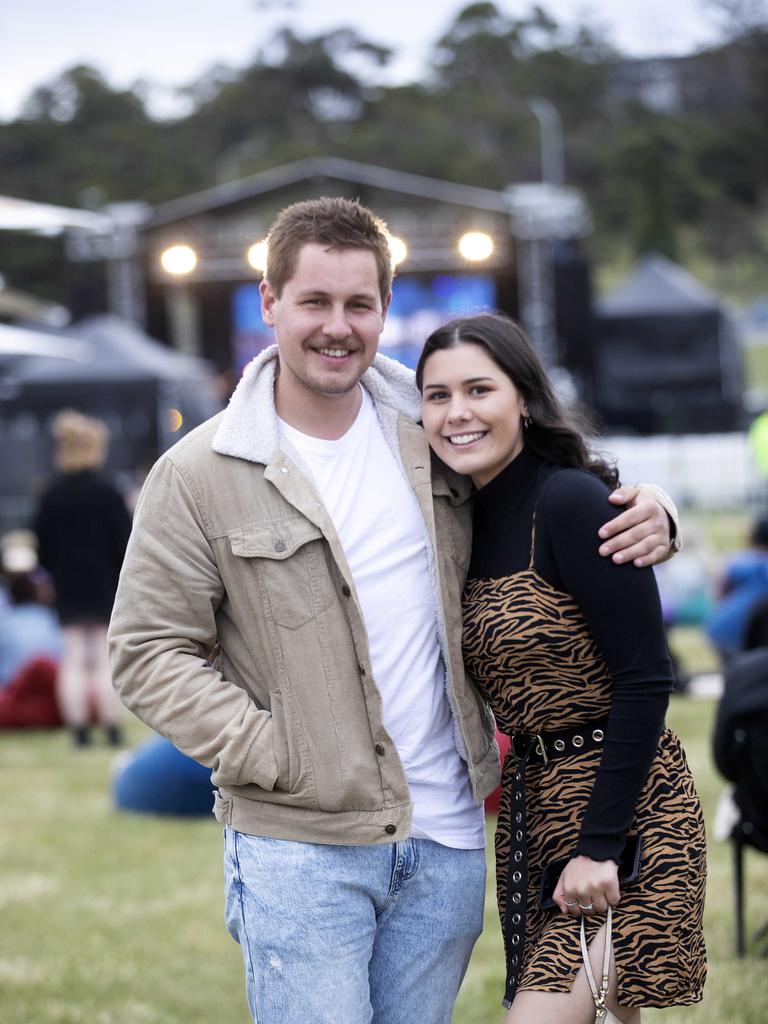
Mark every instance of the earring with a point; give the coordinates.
(526, 422)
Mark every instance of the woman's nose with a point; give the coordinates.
(458, 408)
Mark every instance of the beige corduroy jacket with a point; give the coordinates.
(233, 550)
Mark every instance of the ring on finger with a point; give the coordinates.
(571, 903)
(585, 906)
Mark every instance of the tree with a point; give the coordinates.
(302, 102)
(488, 66)
(78, 135)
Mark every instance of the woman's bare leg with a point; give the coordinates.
(109, 707)
(576, 1006)
(72, 689)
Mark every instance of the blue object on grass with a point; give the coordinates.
(156, 778)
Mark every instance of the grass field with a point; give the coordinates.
(117, 919)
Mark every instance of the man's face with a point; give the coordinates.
(327, 323)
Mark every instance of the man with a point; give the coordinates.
(304, 534)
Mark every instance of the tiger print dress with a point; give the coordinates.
(532, 651)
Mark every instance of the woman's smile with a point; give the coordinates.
(462, 440)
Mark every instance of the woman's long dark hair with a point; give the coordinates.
(554, 434)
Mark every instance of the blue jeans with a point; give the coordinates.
(352, 934)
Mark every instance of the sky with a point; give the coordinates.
(171, 42)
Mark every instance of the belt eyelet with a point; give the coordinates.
(578, 741)
(559, 745)
(516, 897)
(598, 735)
(516, 877)
(515, 940)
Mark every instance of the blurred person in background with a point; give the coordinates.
(28, 626)
(82, 527)
(686, 590)
(743, 585)
(30, 639)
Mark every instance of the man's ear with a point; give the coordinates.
(385, 306)
(268, 300)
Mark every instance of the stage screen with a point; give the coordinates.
(419, 305)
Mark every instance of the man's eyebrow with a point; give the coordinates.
(469, 380)
(309, 293)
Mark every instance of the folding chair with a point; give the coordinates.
(740, 748)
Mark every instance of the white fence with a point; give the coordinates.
(705, 470)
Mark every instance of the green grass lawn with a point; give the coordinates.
(117, 919)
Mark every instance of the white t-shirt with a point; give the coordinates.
(382, 531)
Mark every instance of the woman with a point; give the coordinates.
(569, 650)
(82, 527)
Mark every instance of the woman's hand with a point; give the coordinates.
(592, 883)
(641, 534)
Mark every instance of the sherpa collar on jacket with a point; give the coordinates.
(249, 427)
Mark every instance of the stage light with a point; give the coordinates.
(179, 259)
(257, 256)
(175, 420)
(398, 250)
(476, 246)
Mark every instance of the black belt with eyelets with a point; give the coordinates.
(533, 748)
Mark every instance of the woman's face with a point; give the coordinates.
(472, 412)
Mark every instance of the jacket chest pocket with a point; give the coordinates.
(286, 562)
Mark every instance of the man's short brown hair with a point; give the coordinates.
(330, 221)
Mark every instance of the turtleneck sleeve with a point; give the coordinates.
(621, 606)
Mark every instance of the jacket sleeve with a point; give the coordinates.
(163, 630)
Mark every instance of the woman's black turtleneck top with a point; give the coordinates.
(620, 604)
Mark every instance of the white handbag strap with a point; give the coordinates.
(598, 995)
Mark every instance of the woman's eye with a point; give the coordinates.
(435, 396)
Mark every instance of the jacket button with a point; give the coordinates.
(361, 669)
(345, 589)
(280, 545)
(379, 748)
(390, 829)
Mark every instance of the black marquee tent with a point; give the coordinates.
(667, 356)
(148, 394)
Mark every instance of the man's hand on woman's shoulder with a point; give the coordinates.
(642, 534)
